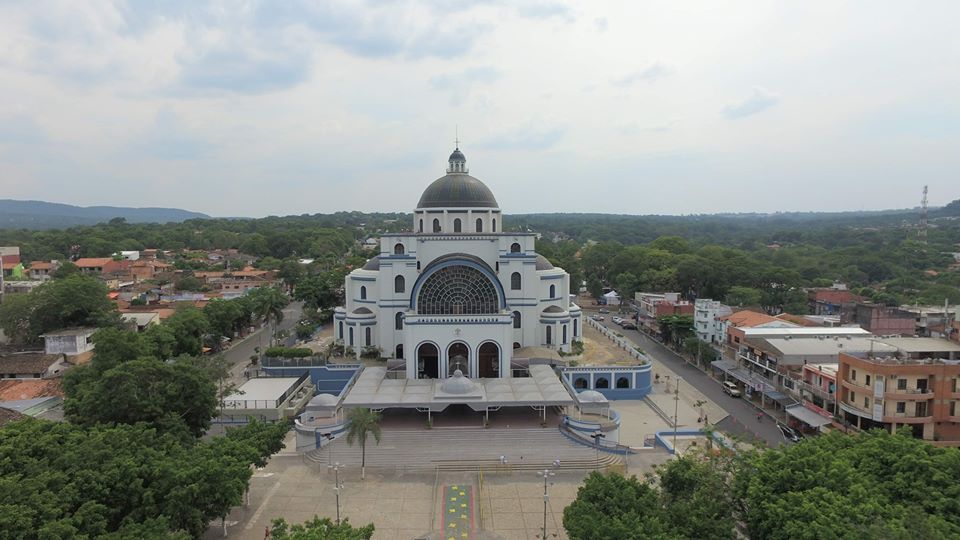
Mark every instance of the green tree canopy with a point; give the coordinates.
(319, 529)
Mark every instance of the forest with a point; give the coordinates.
(746, 259)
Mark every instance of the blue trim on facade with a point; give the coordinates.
(363, 278)
(461, 323)
(561, 276)
(359, 301)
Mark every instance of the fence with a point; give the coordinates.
(620, 341)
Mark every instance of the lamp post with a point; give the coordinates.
(547, 474)
(329, 437)
(337, 486)
(676, 409)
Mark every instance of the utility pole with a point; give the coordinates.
(922, 231)
(337, 487)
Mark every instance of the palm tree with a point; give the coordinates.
(268, 302)
(362, 422)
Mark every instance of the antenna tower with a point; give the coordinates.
(922, 231)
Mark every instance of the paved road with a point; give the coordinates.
(743, 415)
(239, 355)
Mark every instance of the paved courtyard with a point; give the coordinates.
(502, 503)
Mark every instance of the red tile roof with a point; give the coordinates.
(92, 262)
(747, 318)
(16, 389)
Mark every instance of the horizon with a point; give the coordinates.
(657, 109)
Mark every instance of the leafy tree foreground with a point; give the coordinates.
(871, 485)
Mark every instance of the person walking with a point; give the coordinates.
(760, 416)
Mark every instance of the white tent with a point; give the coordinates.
(612, 298)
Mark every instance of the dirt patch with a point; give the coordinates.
(598, 350)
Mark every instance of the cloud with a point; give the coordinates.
(544, 10)
(601, 24)
(528, 138)
(649, 74)
(167, 138)
(462, 84)
(760, 100)
(244, 71)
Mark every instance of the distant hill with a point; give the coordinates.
(47, 215)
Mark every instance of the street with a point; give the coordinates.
(743, 415)
(239, 355)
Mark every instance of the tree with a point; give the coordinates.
(870, 485)
(177, 397)
(188, 327)
(268, 302)
(743, 296)
(316, 292)
(362, 422)
(319, 529)
(223, 316)
(66, 268)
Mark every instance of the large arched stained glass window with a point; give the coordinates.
(457, 290)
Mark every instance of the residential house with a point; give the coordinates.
(75, 343)
(42, 270)
(97, 266)
(706, 319)
(927, 317)
(905, 389)
(32, 365)
(884, 320)
(732, 327)
(836, 300)
(141, 320)
(20, 287)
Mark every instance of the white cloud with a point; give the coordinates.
(760, 100)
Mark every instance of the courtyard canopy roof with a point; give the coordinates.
(373, 390)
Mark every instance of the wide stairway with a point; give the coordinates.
(467, 449)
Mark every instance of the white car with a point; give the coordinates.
(730, 388)
(617, 320)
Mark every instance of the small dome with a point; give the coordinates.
(458, 384)
(591, 396)
(362, 311)
(372, 264)
(553, 309)
(323, 400)
(457, 157)
(543, 263)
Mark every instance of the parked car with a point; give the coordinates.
(789, 433)
(730, 388)
(627, 325)
(597, 317)
(617, 320)
(604, 310)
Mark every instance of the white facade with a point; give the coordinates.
(458, 293)
(706, 320)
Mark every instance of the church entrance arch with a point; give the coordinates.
(428, 361)
(488, 360)
(458, 357)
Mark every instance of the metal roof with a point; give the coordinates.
(457, 190)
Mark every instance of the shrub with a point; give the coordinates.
(286, 352)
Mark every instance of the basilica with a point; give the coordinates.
(458, 294)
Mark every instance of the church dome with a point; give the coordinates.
(591, 396)
(323, 400)
(372, 264)
(543, 263)
(457, 189)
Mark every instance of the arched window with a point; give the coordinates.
(363, 292)
(398, 321)
(436, 225)
(564, 334)
(549, 335)
(479, 225)
(367, 336)
(421, 225)
(457, 225)
(399, 354)
(601, 382)
(575, 328)
(516, 319)
(579, 383)
(493, 225)
(398, 249)
(515, 248)
(458, 290)
(553, 291)
(623, 382)
(516, 345)
(351, 336)
(515, 281)
(399, 284)
(340, 328)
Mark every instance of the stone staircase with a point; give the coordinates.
(467, 449)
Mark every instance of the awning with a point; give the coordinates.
(808, 417)
(781, 398)
(723, 365)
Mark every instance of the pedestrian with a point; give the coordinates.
(759, 416)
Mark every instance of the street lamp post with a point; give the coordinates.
(547, 474)
(676, 409)
(337, 487)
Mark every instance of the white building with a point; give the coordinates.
(458, 293)
(706, 320)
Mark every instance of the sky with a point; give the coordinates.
(246, 108)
